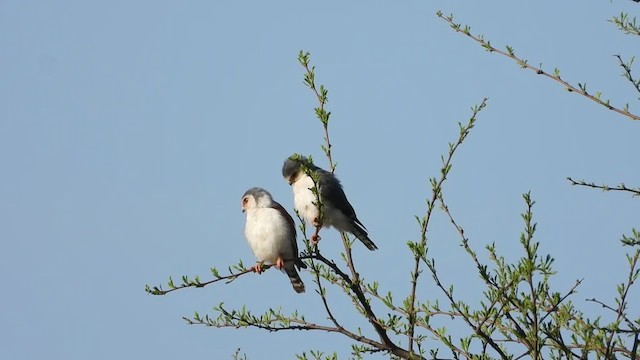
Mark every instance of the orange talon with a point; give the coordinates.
(315, 238)
(257, 268)
(279, 263)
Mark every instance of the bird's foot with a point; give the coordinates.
(315, 238)
(279, 263)
(257, 268)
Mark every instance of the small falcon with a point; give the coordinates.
(271, 233)
(336, 209)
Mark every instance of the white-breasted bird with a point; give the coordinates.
(271, 233)
(336, 209)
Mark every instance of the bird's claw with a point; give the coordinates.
(279, 263)
(257, 268)
(315, 238)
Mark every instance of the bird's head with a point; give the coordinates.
(292, 168)
(255, 198)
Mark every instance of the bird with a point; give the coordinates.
(271, 234)
(336, 209)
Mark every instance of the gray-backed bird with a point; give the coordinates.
(271, 233)
(336, 209)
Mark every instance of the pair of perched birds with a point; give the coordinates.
(271, 231)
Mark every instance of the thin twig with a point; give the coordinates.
(353, 282)
(621, 187)
(323, 294)
(580, 89)
(238, 321)
(436, 189)
(359, 293)
(157, 290)
(626, 67)
(476, 328)
(187, 283)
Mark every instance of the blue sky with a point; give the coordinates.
(129, 132)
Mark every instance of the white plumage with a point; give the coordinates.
(336, 209)
(303, 202)
(271, 234)
(267, 234)
(303, 198)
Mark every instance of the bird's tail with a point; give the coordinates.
(296, 282)
(362, 235)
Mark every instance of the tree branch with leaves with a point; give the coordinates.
(519, 314)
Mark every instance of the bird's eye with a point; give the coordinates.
(244, 201)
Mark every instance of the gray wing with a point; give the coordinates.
(331, 190)
(292, 229)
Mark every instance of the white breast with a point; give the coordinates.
(268, 235)
(303, 198)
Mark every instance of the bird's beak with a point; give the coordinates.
(243, 210)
